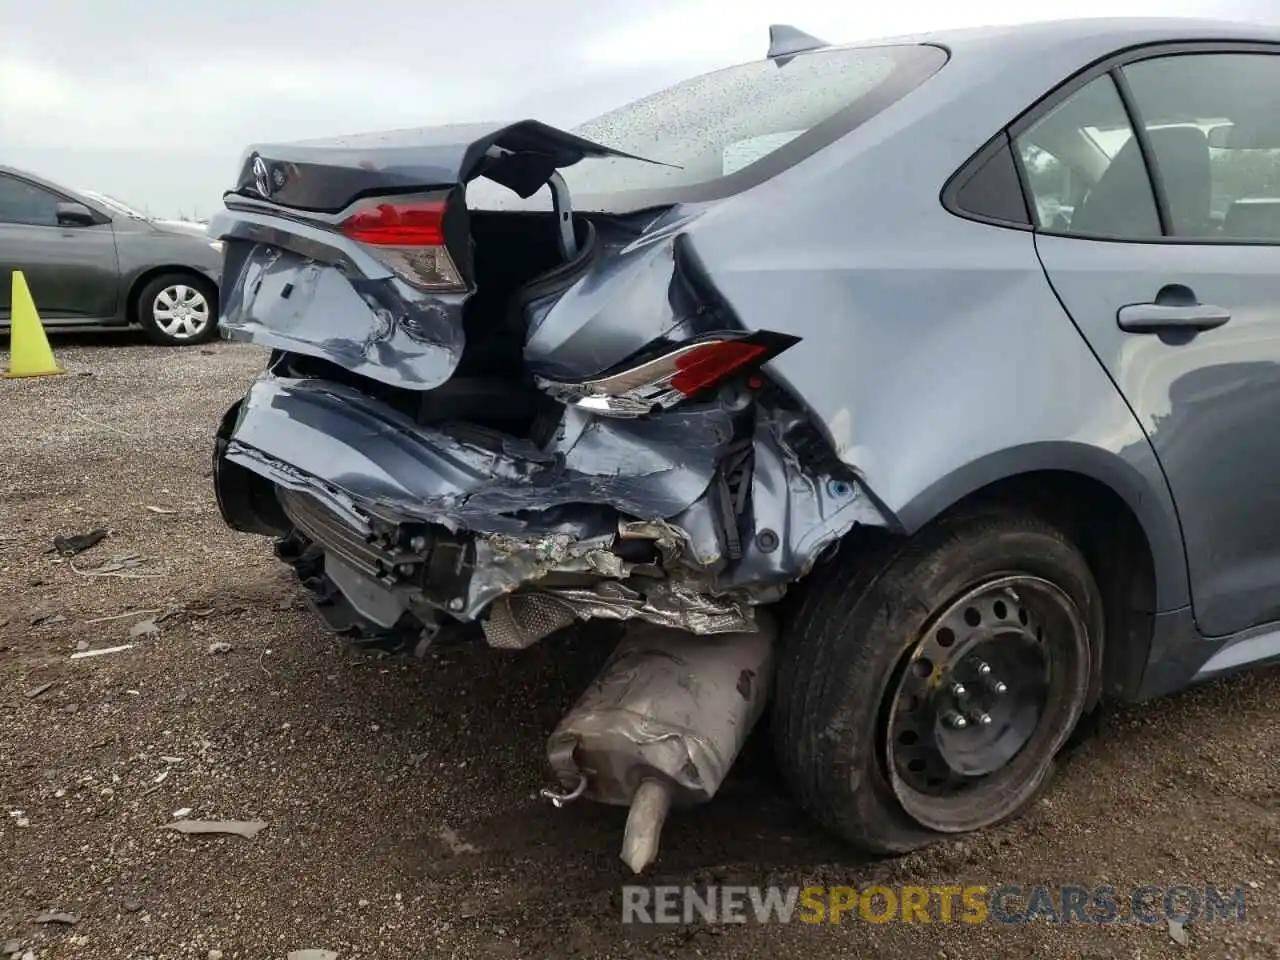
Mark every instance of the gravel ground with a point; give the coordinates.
(400, 795)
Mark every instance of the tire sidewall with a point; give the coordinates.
(897, 609)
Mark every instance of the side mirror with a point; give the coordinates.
(1221, 137)
(72, 214)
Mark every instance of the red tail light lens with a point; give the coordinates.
(398, 225)
(670, 378)
(708, 364)
(408, 238)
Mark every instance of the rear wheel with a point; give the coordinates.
(177, 309)
(926, 689)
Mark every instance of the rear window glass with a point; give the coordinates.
(725, 131)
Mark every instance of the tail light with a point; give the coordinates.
(408, 238)
(671, 377)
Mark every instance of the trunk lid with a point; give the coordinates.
(328, 175)
(360, 250)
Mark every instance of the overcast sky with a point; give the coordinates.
(153, 100)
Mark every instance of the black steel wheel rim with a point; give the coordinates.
(982, 700)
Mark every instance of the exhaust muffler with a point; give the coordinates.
(661, 725)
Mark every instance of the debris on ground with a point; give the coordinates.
(122, 616)
(36, 691)
(53, 916)
(131, 905)
(241, 828)
(101, 651)
(1178, 933)
(311, 955)
(220, 646)
(121, 566)
(164, 511)
(144, 628)
(79, 542)
(182, 814)
(10, 947)
(47, 618)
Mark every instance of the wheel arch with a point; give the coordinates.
(1123, 523)
(140, 280)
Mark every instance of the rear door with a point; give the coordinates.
(71, 270)
(1137, 176)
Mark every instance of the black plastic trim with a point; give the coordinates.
(246, 501)
(976, 166)
(1155, 179)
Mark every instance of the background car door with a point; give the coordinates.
(72, 270)
(1175, 283)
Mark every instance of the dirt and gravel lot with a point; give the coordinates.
(400, 795)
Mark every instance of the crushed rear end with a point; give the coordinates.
(522, 420)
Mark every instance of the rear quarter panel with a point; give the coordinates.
(934, 351)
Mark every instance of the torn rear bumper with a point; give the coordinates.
(666, 519)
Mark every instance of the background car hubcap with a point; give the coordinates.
(181, 311)
(1002, 666)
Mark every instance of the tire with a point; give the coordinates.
(865, 713)
(178, 310)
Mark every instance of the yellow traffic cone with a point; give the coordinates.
(29, 352)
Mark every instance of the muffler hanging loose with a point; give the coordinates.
(662, 723)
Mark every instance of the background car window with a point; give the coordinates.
(1085, 171)
(1214, 125)
(22, 202)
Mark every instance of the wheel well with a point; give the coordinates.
(1115, 547)
(140, 282)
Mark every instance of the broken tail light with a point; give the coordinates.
(670, 377)
(408, 238)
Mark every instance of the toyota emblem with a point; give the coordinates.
(261, 177)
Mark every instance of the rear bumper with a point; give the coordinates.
(613, 517)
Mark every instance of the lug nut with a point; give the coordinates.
(984, 719)
(956, 720)
(999, 688)
(958, 690)
(456, 604)
(983, 669)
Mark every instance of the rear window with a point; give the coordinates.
(729, 130)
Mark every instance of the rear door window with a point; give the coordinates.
(1085, 171)
(1213, 122)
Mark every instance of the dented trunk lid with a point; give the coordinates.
(328, 175)
(358, 250)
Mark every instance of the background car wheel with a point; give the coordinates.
(926, 688)
(178, 309)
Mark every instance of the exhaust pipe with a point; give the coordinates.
(661, 725)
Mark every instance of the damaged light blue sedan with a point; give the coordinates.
(919, 389)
